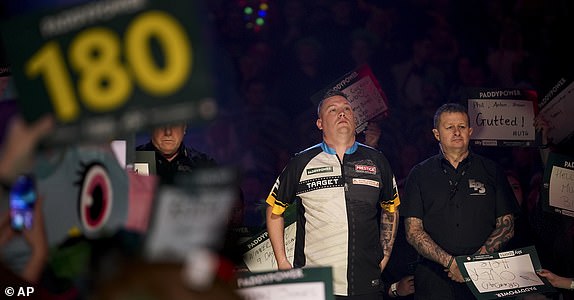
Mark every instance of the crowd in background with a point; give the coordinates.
(423, 53)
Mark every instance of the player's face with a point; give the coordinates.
(336, 117)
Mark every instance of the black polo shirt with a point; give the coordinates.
(458, 207)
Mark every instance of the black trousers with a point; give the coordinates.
(432, 283)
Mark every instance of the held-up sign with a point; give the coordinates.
(106, 68)
(258, 254)
(364, 92)
(504, 274)
(558, 189)
(503, 117)
(557, 109)
(309, 283)
(192, 214)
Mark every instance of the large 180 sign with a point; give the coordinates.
(110, 65)
(105, 83)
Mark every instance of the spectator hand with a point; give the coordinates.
(372, 134)
(36, 236)
(20, 143)
(542, 125)
(36, 239)
(406, 286)
(555, 280)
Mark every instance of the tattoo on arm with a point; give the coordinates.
(503, 232)
(423, 243)
(388, 231)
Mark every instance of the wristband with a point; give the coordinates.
(450, 262)
(394, 290)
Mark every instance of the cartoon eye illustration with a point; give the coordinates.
(95, 199)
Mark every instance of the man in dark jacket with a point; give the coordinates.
(171, 155)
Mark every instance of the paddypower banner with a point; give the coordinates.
(296, 284)
(106, 68)
(503, 117)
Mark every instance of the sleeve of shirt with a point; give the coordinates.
(413, 203)
(283, 192)
(390, 200)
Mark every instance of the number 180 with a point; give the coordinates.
(104, 83)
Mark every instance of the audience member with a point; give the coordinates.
(171, 154)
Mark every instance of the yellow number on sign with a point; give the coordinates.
(174, 42)
(103, 82)
(48, 62)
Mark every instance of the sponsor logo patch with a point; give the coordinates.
(477, 186)
(366, 169)
(312, 171)
(368, 182)
(319, 183)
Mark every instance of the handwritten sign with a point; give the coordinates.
(558, 112)
(503, 274)
(364, 92)
(191, 215)
(558, 188)
(108, 68)
(260, 256)
(503, 118)
(294, 284)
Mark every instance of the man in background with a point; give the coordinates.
(171, 154)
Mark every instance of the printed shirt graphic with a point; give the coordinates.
(338, 205)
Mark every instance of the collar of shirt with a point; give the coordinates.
(444, 163)
(330, 150)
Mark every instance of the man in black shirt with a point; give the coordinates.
(455, 203)
(171, 155)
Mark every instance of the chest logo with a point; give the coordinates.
(365, 169)
(369, 182)
(477, 186)
(312, 171)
